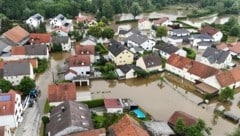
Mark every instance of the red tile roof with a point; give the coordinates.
(142, 20)
(160, 20)
(7, 106)
(209, 30)
(222, 46)
(227, 78)
(16, 34)
(85, 50)
(18, 50)
(112, 103)
(61, 92)
(40, 38)
(202, 70)
(79, 60)
(188, 119)
(94, 132)
(179, 61)
(127, 126)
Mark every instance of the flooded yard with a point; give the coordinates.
(160, 102)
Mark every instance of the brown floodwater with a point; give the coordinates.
(160, 102)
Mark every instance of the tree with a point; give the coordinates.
(180, 126)
(235, 133)
(26, 85)
(161, 31)
(235, 30)
(56, 48)
(95, 31)
(141, 73)
(107, 9)
(135, 9)
(226, 94)
(6, 24)
(108, 33)
(5, 85)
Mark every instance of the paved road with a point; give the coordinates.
(32, 117)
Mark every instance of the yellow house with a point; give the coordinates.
(119, 54)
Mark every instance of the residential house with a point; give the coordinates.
(5, 131)
(93, 132)
(215, 33)
(188, 119)
(127, 71)
(28, 51)
(63, 41)
(124, 31)
(35, 20)
(89, 40)
(189, 69)
(6, 46)
(62, 31)
(166, 50)
(163, 21)
(177, 36)
(87, 20)
(58, 21)
(234, 48)
(158, 128)
(11, 109)
(68, 118)
(216, 58)
(198, 39)
(138, 40)
(40, 38)
(144, 24)
(78, 65)
(127, 126)
(119, 54)
(58, 93)
(150, 62)
(17, 35)
(113, 105)
(86, 50)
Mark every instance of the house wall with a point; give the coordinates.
(88, 42)
(55, 103)
(69, 76)
(7, 131)
(218, 36)
(81, 70)
(61, 33)
(132, 44)
(66, 46)
(131, 74)
(125, 57)
(141, 63)
(148, 45)
(195, 41)
(114, 110)
(57, 23)
(159, 68)
(8, 120)
(145, 25)
(178, 34)
(181, 52)
(18, 109)
(31, 22)
(216, 65)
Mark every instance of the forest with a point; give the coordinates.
(22, 9)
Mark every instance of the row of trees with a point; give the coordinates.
(98, 32)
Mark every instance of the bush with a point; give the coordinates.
(42, 66)
(94, 103)
(191, 54)
(56, 48)
(45, 120)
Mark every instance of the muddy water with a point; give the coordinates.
(160, 102)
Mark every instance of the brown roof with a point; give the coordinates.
(40, 38)
(112, 103)
(18, 50)
(209, 30)
(189, 120)
(142, 20)
(179, 61)
(127, 126)
(161, 20)
(222, 46)
(202, 70)
(85, 19)
(85, 50)
(234, 47)
(61, 92)
(79, 60)
(227, 78)
(16, 34)
(93, 132)
(207, 88)
(7, 105)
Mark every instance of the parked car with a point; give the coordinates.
(31, 103)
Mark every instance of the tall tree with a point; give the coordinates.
(161, 31)
(108, 33)
(135, 9)
(226, 94)
(26, 85)
(5, 85)
(107, 9)
(95, 31)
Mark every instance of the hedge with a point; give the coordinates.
(94, 103)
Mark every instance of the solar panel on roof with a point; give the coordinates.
(5, 98)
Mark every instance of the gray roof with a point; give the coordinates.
(123, 31)
(60, 17)
(16, 68)
(36, 49)
(60, 39)
(179, 37)
(126, 68)
(215, 55)
(69, 114)
(152, 60)
(3, 45)
(205, 43)
(37, 16)
(6, 41)
(91, 38)
(158, 128)
(116, 47)
(138, 38)
(180, 31)
(202, 36)
(168, 48)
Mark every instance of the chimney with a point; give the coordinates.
(62, 108)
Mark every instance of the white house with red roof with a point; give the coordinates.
(234, 48)
(113, 105)
(35, 20)
(10, 109)
(215, 33)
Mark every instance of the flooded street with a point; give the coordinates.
(160, 102)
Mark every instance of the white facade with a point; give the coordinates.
(140, 63)
(173, 41)
(80, 70)
(147, 45)
(218, 36)
(88, 42)
(114, 110)
(15, 119)
(66, 46)
(60, 32)
(69, 76)
(216, 65)
(195, 41)
(7, 131)
(58, 21)
(144, 25)
(180, 52)
(33, 22)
